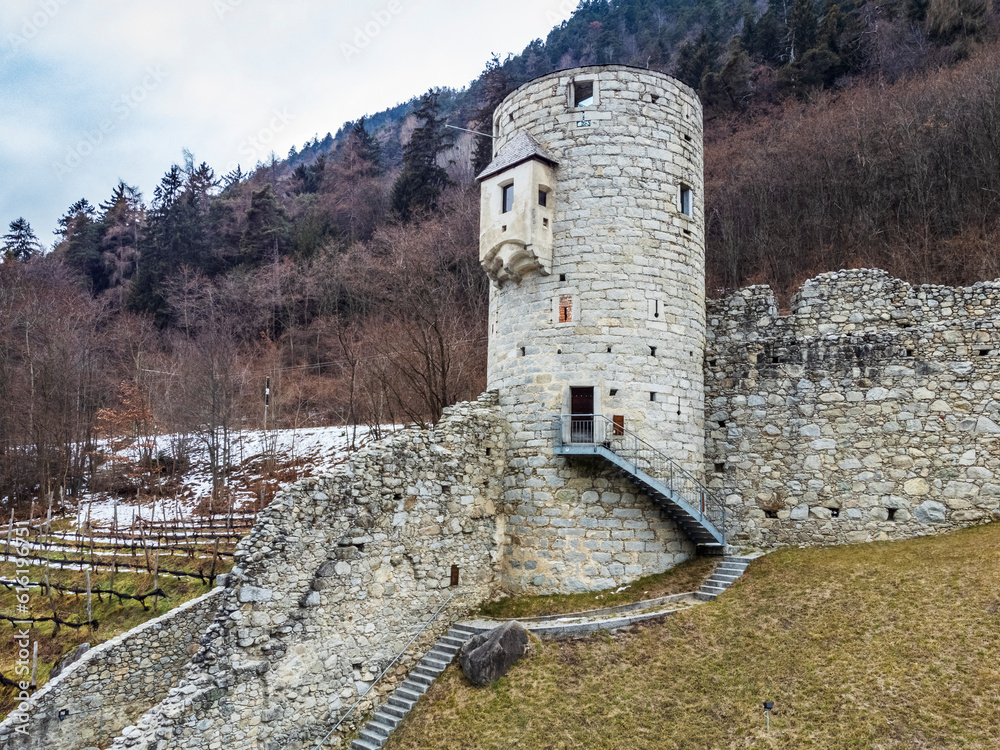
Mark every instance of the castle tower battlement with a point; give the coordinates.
(592, 233)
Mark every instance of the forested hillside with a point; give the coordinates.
(836, 135)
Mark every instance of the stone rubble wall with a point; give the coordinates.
(871, 412)
(338, 574)
(113, 684)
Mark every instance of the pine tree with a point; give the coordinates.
(266, 232)
(20, 243)
(495, 84)
(422, 180)
(80, 245)
(366, 148)
(122, 218)
(803, 25)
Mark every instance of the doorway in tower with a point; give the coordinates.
(582, 415)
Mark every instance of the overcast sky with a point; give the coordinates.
(93, 91)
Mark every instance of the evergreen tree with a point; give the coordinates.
(495, 84)
(80, 245)
(803, 25)
(20, 243)
(366, 148)
(177, 234)
(266, 232)
(121, 221)
(695, 59)
(422, 180)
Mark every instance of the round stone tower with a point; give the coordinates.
(592, 234)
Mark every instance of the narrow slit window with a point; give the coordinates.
(508, 198)
(892, 514)
(566, 308)
(454, 575)
(652, 351)
(543, 197)
(719, 467)
(583, 94)
(562, 277)
(652, 395)
(613, 392)
(687, 200)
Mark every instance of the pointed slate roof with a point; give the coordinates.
(518, 149)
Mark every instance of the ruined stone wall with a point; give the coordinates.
(113, 684)
(872, 411)
(338, 574)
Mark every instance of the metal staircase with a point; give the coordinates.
(696, 510)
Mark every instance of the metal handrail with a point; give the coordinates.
(599, 431)
(382, 674)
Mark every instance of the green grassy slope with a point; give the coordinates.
(886, 645)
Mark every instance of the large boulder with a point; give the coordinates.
(487, 657)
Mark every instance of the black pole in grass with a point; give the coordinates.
(768, 705)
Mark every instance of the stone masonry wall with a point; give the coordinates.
(113, 684)
(338, 574)
(632, 264)
(872, 411)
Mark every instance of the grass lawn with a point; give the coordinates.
(687, 576)
(884, 645)
(113, 617)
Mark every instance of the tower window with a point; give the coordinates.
(652, 351)
(508, 197)
(583, 93)
(543, 197)
(562, 277)
(652, 395)
(687, 201)
(566, 308)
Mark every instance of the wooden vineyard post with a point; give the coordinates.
(10, 533)
(90, 609)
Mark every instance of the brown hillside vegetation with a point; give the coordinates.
(883, 645)
(903, 177)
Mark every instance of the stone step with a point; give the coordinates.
(458, 628)
(397, 712)
(376, 726)
(724, 578)
(421, 678)
(438, 664)
(720, 582)
(410, 691)
(404, 703)
(384, 718)
(363, 745)
(447, 640)
(738, 558)
(372, 738)
(427, 671)
(711, 590)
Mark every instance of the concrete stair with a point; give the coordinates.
(405, 697)
(724, 576)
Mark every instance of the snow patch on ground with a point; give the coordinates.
(316, 450)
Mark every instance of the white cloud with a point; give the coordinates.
(142, 80)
